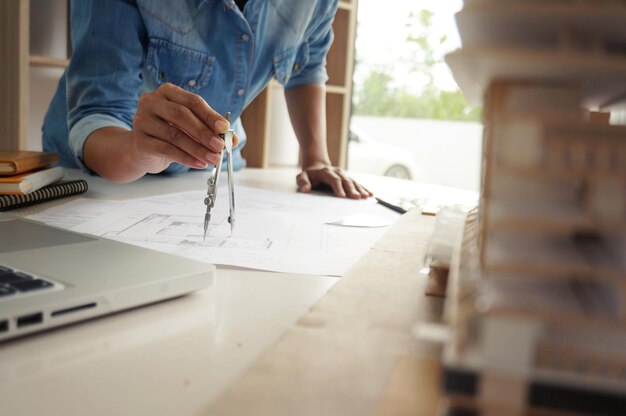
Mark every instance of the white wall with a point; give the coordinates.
(283, 147)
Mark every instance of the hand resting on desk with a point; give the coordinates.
(325, 177)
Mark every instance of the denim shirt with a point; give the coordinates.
(124, 48)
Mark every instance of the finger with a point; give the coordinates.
(186, 120)
(155, 146)
(215, 144)
(348, 186)
(178, 138)
(197, 105)
(329, 177)
(303, 182)
(365, 193)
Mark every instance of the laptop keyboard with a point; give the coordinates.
(13, 282)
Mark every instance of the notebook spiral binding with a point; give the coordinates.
(48, 193)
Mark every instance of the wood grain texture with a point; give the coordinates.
(342, 357)
(14, 72)
(413, 389)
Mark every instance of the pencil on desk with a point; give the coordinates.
(391, 206)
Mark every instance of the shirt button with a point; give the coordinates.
(240, 91)
(192, 83)
(245, 36)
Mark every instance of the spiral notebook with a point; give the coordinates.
(56, 190)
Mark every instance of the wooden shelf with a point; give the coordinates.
(339, 66)
(20, 105)
(338, 61)
(14, 73)
(330, 88)
(336, 89)
(14, 25)
(44, 61)
(346, 5)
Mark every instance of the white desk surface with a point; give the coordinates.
(172, 358)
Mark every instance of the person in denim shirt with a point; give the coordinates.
(149, 80)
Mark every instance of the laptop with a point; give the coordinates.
(51, 277)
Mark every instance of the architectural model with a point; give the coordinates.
(536, 294)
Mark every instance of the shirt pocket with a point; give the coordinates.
(290, 63)
(179, 65)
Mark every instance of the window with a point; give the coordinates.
(409, 118)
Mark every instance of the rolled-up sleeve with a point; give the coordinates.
(104, 74)
(319, 43)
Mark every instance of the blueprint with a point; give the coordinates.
(283, 232)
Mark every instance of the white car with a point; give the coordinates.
(370, 156)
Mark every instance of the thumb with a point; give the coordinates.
(304, 184)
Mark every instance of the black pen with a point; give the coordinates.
(392, 207)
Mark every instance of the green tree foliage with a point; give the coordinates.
(377, 96)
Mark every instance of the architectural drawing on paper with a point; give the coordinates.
(184, 231)
(276, 231)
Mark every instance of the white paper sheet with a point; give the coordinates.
(274, 231)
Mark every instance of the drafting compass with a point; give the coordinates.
(213, 182)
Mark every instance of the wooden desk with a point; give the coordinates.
(353, 353)
(246, 346)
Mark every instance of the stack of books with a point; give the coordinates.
(536, 298)
(28, 177)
